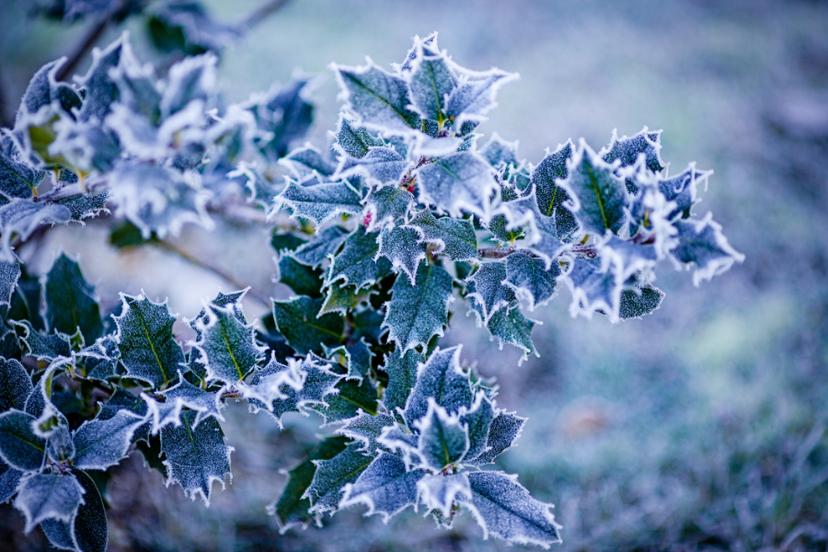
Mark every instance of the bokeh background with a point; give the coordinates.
(702, 426)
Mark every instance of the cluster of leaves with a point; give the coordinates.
(404, 212)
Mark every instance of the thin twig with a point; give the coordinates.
(206, 265)
(260, 13)
(85, 44)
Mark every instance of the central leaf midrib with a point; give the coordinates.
(142, 322)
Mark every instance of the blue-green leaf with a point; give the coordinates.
(48, 496)
(416, 313)
(19, 446)
(70, 301)
(386, 487)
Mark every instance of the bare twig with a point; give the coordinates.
(261, 13)
(85, 45)
(209, 267)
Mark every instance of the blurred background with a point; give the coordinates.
(702, 426)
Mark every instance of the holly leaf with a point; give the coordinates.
(9, 482)
(145, 340)
(307, 161)
(227, 344)
(355, 141)
(41, 345)
(378, 98)
(594, 288)
(478, 420)
(627, 149)
(381, 164)
(597, 196)
(431, 82)
(443, 440)
(70, 301)
(21, 217)
(510, 326)
(639, 301)
(101, 443)
(452, 237)
(475, 95)
(366, 429)
(292, 507)
(386, 205)
(284, 116)
(528, 276)
(703, 248)
(358, 264)
(440, 378)
(401, 245)
(321, 246)
(15, 385)
(319, 202)
(48, 496)
(458, 182)
(301, 278)
(304, 329)
(488, 289)
(386, 487)
(20, 448)
(9, 275)
(402, 375)
(503, 432)
(504, 508)
(418, 312)
(195, 456)
(17, 178)
(332, 475)
(350, 398)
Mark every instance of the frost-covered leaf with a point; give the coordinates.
(452, 237)
(332, 475)
(195, 456)
(158, 199)
(101, 90)
(355, 357)
(340, 298)
(458, 182)
(298, 320)
(595, 288)
(204, 403)
(9, 482)
(70, 301)
(627, 149)
(386, 205)
(487, 287)
(401, 245)
(317, 249)
(366, 429)
(89, 528)
(227, 345)
(528, 276)
(357, 264)
(41, 345)
(9, 275)
(145, 340)
(443, 439)
(301, 278)
(350, 398)
(402, 375)
(506, 510)
(386, 487)
(19, 446)
(100, 444)
(416, 313)
(510, 326)
(15, 385)
(100, 360)
(597, 196)
(626, 257)
(378, 98)
(321, 202)
(430, 83)
(442, 379)
(440, 491)
(187, 26)
(639, 301)
(292, 507)
(20, 217)
(59, 445)
(682, 189)
(381, 164)
(503, 432)
(355, 141)
(475, 94)
(307, 161)
(703, 247)
(17, 178)
(284, 116)
(550, 196)
(478, 421)
(48, 496)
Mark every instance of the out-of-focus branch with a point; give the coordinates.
(261, 13)
(85, 44)
(211, 268)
